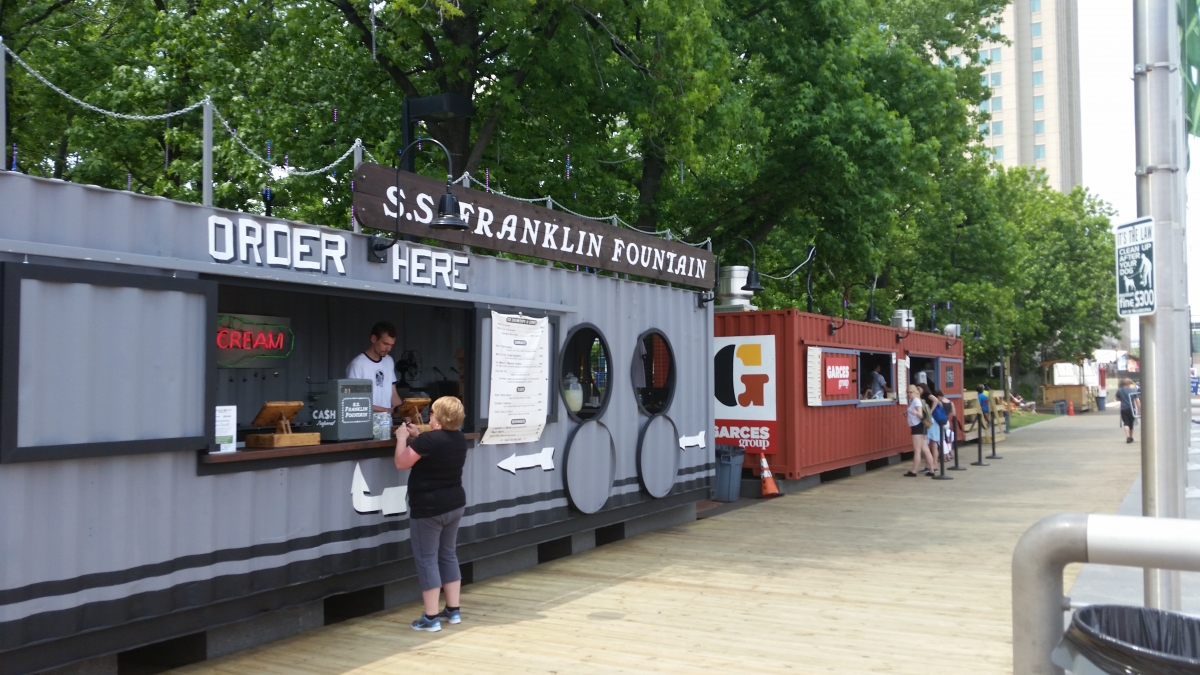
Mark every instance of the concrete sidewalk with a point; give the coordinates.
(1107, 584)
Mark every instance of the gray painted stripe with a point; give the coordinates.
(28, 608)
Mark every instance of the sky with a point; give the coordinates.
(1106, 102)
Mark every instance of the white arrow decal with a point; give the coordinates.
(544, 459)
(392, 502)
(696, 441)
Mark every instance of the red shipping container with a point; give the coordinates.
(796, 387)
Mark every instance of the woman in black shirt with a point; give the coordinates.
(435, 505)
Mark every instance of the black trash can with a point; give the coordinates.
(729, 473)
(1123, 640)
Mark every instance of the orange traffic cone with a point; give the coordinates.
(1070, 407)
(768, 481)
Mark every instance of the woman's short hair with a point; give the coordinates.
(450, 413)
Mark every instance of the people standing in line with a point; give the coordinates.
(948, 427)
(936, 432)
(916, 415)
(1131, 401)
(436, 500)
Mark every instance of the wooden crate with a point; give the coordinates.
(281, 440)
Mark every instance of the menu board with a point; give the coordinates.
(520, 379)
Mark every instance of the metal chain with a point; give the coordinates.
(262, 160)
(89, 106)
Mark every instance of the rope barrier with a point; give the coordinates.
(463, 179)
(135, 118)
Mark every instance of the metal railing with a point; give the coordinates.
(1052, 543)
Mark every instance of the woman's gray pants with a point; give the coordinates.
(433, 545)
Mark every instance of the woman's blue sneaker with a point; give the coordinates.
(431, 625)
(451, 616)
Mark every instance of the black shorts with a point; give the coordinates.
(918, 429)
(1127, 418)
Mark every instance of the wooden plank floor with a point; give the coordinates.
(876, 573)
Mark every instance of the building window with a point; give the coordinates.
(1039, 152)
(1037, 53)
(996, 79)
(1039, 102)
(983, 79)
(1039, 127)
(997, 128)
(983, 106)
(1036, 29)
(1035, 5)
(996, 55)
(958, 60)
(997, 103)
(983, 128)
(998, 153)
(1038, 78)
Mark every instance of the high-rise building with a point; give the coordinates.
(1035, 90)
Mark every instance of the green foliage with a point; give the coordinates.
(834, 123)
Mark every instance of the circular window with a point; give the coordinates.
(586, 377)
(653, 372)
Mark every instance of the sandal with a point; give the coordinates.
(910, 475)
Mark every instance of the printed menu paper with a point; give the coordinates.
(520, 379)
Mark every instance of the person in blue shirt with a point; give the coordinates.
(985, 401)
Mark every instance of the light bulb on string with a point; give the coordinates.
(487, 179)
(268, 149)
(335, 114)
(129, 182)
(14, 161)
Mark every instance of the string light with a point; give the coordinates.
(335, 114)
(14, 162)
(268, 149)
(129, 182)
(487, 180)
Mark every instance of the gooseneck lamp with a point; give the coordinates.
(448, 215)
(753, 281)
(872, 314)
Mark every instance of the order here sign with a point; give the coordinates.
(839, 371)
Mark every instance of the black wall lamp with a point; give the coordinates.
(448, 217)
(872, 315)
(753, 281)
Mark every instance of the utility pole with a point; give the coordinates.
(1161, 194)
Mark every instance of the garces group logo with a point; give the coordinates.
(744, 383)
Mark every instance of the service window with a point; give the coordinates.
(923, 370)
(878, 382)
(104, 363)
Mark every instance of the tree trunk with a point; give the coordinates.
(652, 173)
(60, 158)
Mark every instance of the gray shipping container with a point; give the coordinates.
(119, 529)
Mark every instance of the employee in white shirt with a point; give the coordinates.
(377, 366)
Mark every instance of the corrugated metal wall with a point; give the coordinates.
(86, 544)
(818, 439)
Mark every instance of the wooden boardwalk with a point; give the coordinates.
(875, 573)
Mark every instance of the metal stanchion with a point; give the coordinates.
(957, 445)
(979, 439)
(994, 455)
(941, 451)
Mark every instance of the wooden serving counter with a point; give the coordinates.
(249, 460)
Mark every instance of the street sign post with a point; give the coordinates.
(1135, 268)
